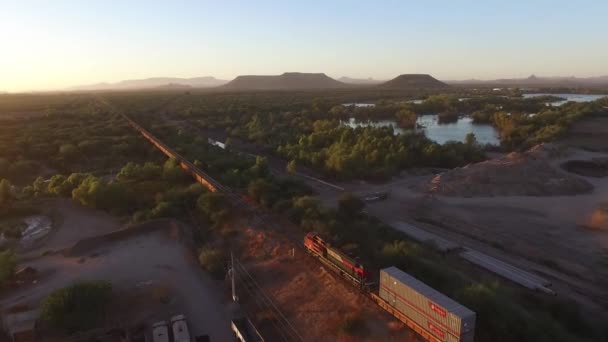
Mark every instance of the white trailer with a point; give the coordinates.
(180, 329)
(160, 332)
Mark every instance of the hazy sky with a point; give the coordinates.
(57, 44)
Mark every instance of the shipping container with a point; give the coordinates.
(443, 317)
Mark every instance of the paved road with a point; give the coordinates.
(423, 236)
(517, 275)
(508, 271)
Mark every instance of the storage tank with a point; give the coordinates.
(443, 317)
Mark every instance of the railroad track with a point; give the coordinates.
(282, 326)
(284, 329)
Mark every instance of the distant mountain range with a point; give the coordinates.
(365, 81)
(533, 80)
(410, 81)
(157, 82)
(285, 81)
(298, 80)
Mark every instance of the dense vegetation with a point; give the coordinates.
(306, 129)
(65, 143)
(377, 153)
(137, 182)
(78, 307)
(520, 130)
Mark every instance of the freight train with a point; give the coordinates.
(434, 316)
(340, 262)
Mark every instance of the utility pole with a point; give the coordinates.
(232, 275)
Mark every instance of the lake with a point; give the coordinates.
(568, 97)
(440, 133)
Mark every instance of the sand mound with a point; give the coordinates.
(516, 174)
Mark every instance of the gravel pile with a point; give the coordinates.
(516, 174)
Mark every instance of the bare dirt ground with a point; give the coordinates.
(530, 173)
(315, 300)
(74, 222)
(157, 261)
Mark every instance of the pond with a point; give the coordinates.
(568, 97)
(440, 133)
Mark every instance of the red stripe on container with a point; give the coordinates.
(415, 307)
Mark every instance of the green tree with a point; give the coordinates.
(260, 168)
(78, 307)
(406, 118)
(212, 260)
(292, 167)
(6, 193)
(68, 151)
(470, 139)
(214, 206)
(172, 171)
(39, 186)
(8, 263)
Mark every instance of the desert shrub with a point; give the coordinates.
(214, 206)
(352, 324)
(8, 263)
(78, 307)
(212, 260)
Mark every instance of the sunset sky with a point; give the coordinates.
(50, 45)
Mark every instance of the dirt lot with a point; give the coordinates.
(73, 222)
(155, 260)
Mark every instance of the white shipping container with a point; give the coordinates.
(443, 317)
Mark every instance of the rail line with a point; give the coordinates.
(282, 326)
(280, 323)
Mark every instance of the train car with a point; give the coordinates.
(442, 317)
(160, 332)
(180, 329)
(346, 265)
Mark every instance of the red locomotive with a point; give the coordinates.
(345, 264)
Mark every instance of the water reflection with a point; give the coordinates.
(440, 133)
